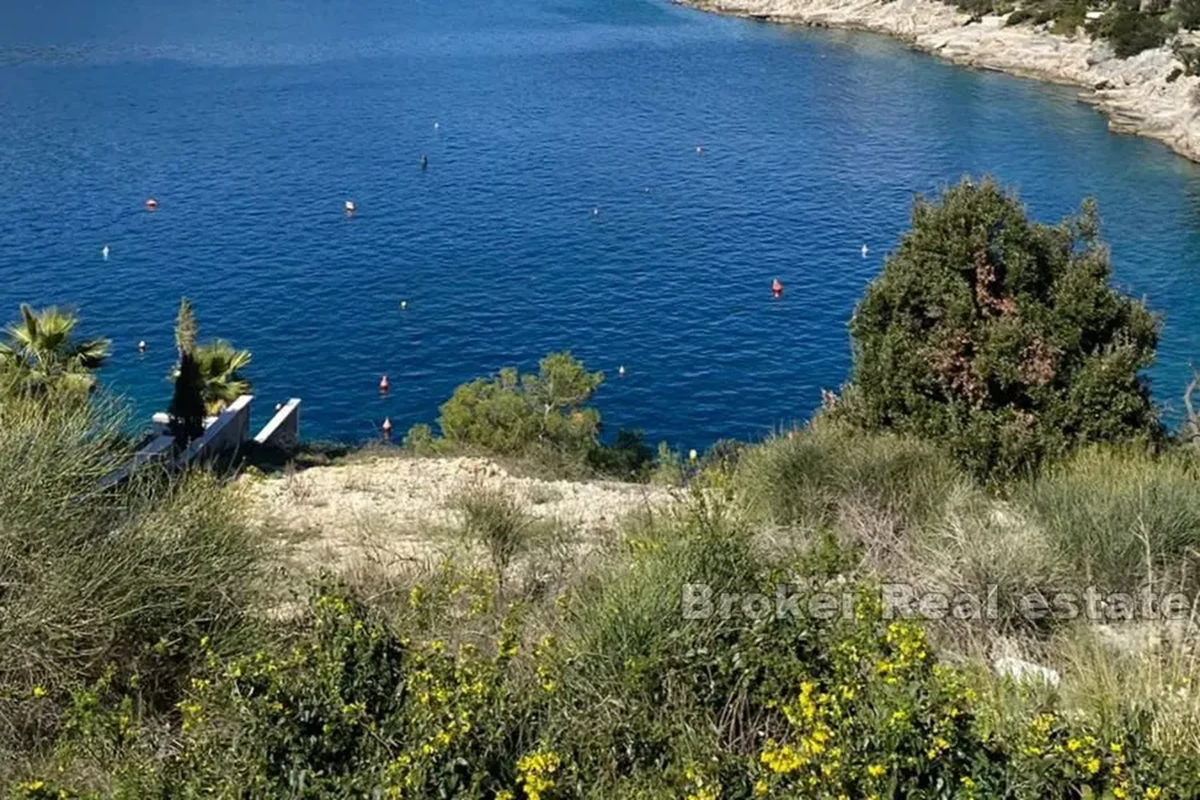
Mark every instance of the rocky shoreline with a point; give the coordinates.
(1147, 94)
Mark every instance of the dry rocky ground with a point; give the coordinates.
(391, 511)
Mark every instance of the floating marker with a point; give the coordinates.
(384, 385)
(693, 455)
(350, 207)
(424, 162)
(621, 371)
(403, 305)
(387, 427)
(142, 346)
(865, 250)
(596, 211)
(699, 150)
(776, 288)
(104, 252)
(151, 204)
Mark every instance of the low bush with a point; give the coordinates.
(1022, 14)
(633, 686)
(830, 472)
(92, 579)
(543, 419)
(1124, 521)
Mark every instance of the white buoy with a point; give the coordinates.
(436, 125)
(142, 346)
(350, 207)
(596, 211)
(865, 250)
(403, 305)
(693, 455)
(699, 150)
(621, 370)
(104, 252)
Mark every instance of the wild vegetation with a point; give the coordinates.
(750, 641)
(1129, 26)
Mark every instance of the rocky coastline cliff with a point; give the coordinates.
(1147, 94)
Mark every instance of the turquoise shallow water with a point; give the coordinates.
(252, 121)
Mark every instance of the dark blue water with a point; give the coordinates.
(252, 121)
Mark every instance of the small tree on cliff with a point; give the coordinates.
(1001, 337)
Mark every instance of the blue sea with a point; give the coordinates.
(565, 204)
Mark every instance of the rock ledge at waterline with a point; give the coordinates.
(1137, 93)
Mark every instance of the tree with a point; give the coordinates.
(511, 413)
(1001, 337)
(187, 402)
(207, 378)
(40, 354)
(221, 365)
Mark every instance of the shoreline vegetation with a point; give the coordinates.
(973, 574)
(1136, 63)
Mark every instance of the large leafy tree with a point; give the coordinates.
(1001, 337)
(40, 354)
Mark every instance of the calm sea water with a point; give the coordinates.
(252, 121)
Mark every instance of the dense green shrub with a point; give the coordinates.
(543, 419)
(1187, 14)
(1000, 338)
(512, 413)
(1130, 30)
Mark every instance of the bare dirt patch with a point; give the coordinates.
(394, 511)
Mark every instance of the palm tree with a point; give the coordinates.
(221, 366)
(40, 354)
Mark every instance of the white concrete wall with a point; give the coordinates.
(226, 433)
(283, 431)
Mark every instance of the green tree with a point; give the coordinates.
(213, 372)
(1000, 337)
(187, 407)
(511, 413)
(40, 354)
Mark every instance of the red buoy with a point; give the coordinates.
(151, 204)
(384, 385)
(387, 428)
(776, 287)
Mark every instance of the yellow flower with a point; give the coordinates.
(1092, 766)
(1153, 793)
(780, 759)
(876, 770)
(38, 691)
(761, 788)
